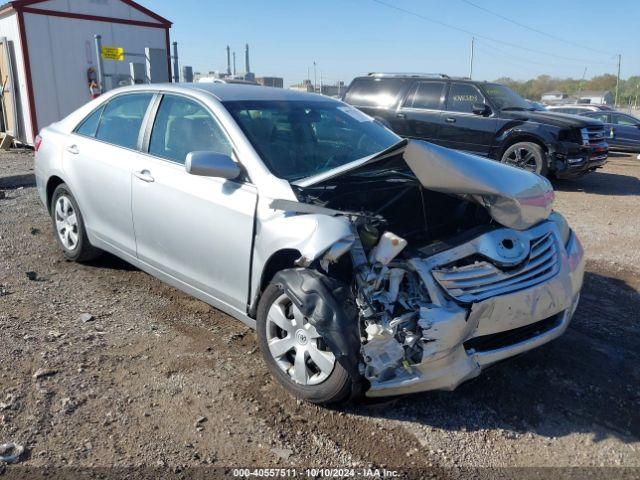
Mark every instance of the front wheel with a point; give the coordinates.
(528, 156)
(295, 352)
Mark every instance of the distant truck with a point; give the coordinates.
(483, 118)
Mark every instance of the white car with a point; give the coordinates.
(369, 264)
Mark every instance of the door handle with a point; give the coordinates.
(401, 115)
(450, 120)
(73, 149)
(144, 175)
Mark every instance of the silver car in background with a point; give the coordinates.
(368, 264)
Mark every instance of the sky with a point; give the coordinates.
(347, 38)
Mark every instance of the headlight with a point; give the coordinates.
(563, 226)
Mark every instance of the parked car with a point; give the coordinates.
(622, 130)
(537, 106)
(367, 263)
(483, 118)
(578, 108)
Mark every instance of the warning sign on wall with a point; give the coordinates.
(113, 53)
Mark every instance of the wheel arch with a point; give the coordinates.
(52, 184)
(522, 137)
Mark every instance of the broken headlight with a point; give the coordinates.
(563, 226)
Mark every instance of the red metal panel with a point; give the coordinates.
(27, 71)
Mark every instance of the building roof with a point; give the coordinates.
(555, 92)
(21, 4)
(595, 93)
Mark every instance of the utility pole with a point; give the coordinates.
(473, 41)
(615, 102)
(315, 78)
(321, 82)
(636, 102)
(584, 76)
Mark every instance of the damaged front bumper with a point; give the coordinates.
(473, 323)
(575, 160)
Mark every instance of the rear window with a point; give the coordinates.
(426, 95)
(374, 91)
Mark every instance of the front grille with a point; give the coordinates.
(593, 136)
(508, 338)
(482, 279)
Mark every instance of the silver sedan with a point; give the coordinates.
(367, 263)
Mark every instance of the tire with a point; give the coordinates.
(325, 387)
(69, 228)
(528, 156)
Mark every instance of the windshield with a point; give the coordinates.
(504, 98)
(298, 139)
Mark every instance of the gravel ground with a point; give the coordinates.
(103, 366)
(16, 161)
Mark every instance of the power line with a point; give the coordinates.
(502, 42)
(520, 59)
(515, 22)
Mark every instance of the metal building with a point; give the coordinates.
(50, 45)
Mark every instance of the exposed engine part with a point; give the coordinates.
(388, 248)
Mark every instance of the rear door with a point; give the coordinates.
(98, 161)
(197, 230)
(461, 128)
(422, 110)
(626, 131)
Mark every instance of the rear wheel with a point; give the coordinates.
(528, 156)
(295, 352)
(69, 226)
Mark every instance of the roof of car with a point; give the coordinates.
(226, 92)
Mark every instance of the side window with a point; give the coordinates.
(89, 125)
(122, 118)
(428, 95)
(623, 120)
(462, 97)
(603, 117)
(183, 126)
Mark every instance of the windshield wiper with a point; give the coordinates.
(522, 109)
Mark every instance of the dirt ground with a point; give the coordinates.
(160, 380)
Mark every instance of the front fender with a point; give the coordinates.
(309, 234)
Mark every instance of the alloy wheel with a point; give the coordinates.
(295, 344)
(66, 223)
(522, 157)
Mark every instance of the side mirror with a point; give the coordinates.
(481, 109)
(211, 164)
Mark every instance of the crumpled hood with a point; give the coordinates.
(515, 198)
(557, 119)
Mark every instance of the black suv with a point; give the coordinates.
(483, 118)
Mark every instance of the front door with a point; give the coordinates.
(197, 230)
(461, 128)
(626, 131)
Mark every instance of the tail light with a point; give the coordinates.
(37, 143)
